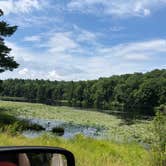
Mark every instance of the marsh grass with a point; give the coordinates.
(88, 151)
(158, 151)
(109, 151)
(114, 127)
(13, 125)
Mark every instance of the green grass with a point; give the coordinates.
(116, 149)
(139, 131)
(88, 151)
(11, 124)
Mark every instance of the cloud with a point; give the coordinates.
(61, 42)
(65, 43)
(139, 49)
(34, 38)
(86, 36)
(23, 71)
(53, 75)
(34, 14)
(117, 28)
(33, 74)
(64, 63)
(59, 50)
(137, 57)
(23, 13)
(147, 12)
(21, 6)
(117, 8)
(21, 54)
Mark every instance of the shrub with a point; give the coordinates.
(159, 143)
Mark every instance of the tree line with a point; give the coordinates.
(136, 92)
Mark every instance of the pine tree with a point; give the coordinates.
(7, 62)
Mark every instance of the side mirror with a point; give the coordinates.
(35, 156)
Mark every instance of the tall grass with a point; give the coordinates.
(111, 151)
(158, 152)
(87, 151)
(14, 126)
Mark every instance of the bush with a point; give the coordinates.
(13, 125)
(159, 144)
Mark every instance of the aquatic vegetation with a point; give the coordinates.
(113, 127)
(117, 147)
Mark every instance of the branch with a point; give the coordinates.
(1, 12)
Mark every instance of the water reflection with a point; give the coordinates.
(66, 130)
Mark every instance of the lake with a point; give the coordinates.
(70, 129)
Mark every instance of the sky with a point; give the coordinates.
(85, 39)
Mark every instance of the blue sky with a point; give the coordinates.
(85, 39)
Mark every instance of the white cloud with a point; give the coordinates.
(53, 75)
(20, 6)
(20, 54)
(86, 36)
(69, 42)
(78, 53)
(137, 50)
(147, 12)
(137, 57)
(34, 38)
(23, 71)
(118, 8)
(117, 28)
(34, 21)
(62, 64)
(61, 42)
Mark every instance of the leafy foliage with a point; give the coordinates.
(130, 93)
(6, 62)
(159, 143)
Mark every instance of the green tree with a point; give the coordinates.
(148, 95)
(7, 62)
(78, 94)
(41, 93)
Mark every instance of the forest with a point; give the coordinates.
(129, 93)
